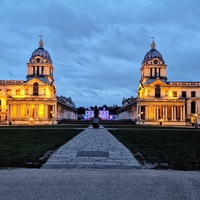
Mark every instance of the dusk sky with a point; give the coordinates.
(97, 46)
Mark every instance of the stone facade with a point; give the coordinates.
(32, 101)
(159, 101)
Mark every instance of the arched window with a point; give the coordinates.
(35, 89)
(157, 91)
(193, 107)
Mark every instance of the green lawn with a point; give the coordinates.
(170, 148)
(23, 146)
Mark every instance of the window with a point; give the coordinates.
(35, 89)
(8, 92)
(193, 94)
(26, 91)
(174, 94)
(155, 61)
(157, 91)
(38, 70)
(193, 107)
(184, 94)
(150, 72)
(0, 91)
(17, 92)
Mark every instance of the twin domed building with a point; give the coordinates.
(34, 101)
(161, 102)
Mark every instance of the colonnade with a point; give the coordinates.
(35, 111)
(161, 112)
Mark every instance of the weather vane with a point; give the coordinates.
(153, 44)
(41, 43)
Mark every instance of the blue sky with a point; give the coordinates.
(97, 46)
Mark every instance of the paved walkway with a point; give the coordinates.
(93, 148)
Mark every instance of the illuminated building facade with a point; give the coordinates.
(103, 114)
(32, 101)
(159, 101)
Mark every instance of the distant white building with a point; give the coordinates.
(103, 114)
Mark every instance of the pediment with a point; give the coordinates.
(34, 80)
(157, 82)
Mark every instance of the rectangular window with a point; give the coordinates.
(184, 94)
(193, 94)
(17, 92)
(174, 94)
(37, 70)
(8, 92)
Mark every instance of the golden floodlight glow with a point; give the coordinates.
(41, 111)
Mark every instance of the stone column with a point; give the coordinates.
(157, 112)
(9, 111)
(17, 110)
(139, 110)
(46, 112)
(172, 113)
(163, 112)
(181, 113)
(36, 111)
(175, 112)
(184, 112)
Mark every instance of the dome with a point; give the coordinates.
(44, 54)
(153, 53)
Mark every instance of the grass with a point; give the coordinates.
(169, 148)
(24, 146)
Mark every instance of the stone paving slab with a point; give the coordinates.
(93, 148)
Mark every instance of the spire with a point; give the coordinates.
(153, 44)
(41, 43)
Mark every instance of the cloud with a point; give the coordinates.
(97, 47)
